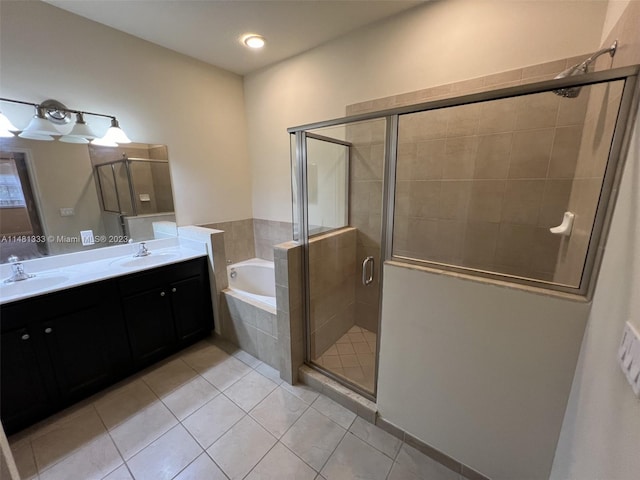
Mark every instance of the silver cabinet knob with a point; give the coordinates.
(162, 294)
(174, 289)
(26, 336)
(48, 330)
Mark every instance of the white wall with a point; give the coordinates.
(600, 436)
(439, 42)
(159, 96)
(478, 371)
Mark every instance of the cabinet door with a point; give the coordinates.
(187, 301)
(150, 325)
(24, 396)
(86, 339)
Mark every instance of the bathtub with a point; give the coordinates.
(254, 278)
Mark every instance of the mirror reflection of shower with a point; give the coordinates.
(134, 191)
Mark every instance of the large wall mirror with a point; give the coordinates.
(60, 198)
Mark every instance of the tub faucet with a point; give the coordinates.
(233, 273)
(18, 271)
(143, 251)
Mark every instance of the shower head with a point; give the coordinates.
(580, 69)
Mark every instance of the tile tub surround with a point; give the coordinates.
(253, 237)
(288, 267)
(252, 326)
(214, 412)
(238, 239)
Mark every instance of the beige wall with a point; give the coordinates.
(601, 430)
(159, 96)
(437, 43)
(478, 371)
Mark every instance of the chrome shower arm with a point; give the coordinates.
(610, 50)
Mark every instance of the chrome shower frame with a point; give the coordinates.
(610, 184)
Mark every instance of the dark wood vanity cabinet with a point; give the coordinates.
(58, 348)
(165, 309)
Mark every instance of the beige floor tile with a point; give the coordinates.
(93, 460)
(376, 437)
(246, 358)
(250, 390)
(279, 411)
(269, 372)
(121, 404)
(349, 361)
(356, 337)
(66, 436)
(366, 359)
(354, 373)
(281, 464)
(165, 457)
(143, 428)
(120, 473)
(345, 349)
(362, 348)
(241, 448)
(334, 411)
(202, 468)
(212, 420)
(355, 329)
(331, 361)
(304, 393)
(168, 377)
(332, 350)
(344, 339)
(226, 373)
(422, 466)
(356, 459)
(313, 438)
(204, 357)
(25, 461)
(190, 397)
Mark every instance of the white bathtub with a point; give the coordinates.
(254, 278)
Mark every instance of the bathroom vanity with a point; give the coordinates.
(61, 346)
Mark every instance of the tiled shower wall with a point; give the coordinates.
(332, 272)
(479, 185)
(365, 208)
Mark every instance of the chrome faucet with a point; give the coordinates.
(143, 251)
(233, 273)
(18, 271)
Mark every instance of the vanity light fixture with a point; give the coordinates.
(39, 127)
(80, 133)
(51, 113)
(252, 40)
(6, 127)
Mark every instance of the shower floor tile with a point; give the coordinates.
(353, 356)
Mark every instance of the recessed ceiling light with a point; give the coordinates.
(252, 40)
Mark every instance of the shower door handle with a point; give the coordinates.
(367, 279)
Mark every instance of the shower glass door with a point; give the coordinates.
(342, 169)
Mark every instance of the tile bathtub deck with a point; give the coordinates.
(209, 413)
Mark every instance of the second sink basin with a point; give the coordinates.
(148, 261)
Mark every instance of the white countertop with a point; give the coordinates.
(61, 272)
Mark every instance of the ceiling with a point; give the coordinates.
(210, 30)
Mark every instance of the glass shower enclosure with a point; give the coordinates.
(513, 185)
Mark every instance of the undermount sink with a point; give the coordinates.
(148, 261)
(34, 284)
